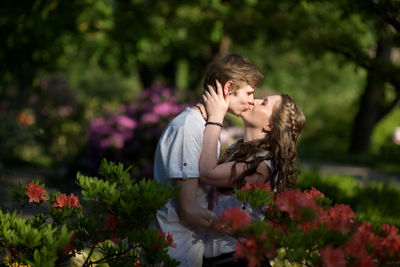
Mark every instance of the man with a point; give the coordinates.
(177, 158)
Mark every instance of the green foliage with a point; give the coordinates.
(31, 244)
(136, 200)
(256, 197)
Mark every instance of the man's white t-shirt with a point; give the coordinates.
(177, 156)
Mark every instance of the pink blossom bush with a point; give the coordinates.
(130, 135)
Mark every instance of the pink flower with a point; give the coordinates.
(35, 192)
(165, 109)
(229, 135)
(150, 118)
(126, 122)
(97, 122)
(332, 257)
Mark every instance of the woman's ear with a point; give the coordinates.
(227, 87)
(267, 127)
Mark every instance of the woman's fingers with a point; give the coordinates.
(219, 88)
(208, 96)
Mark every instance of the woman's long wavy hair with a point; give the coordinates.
(287, 122)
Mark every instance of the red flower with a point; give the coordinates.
(253, 186)
(110, 223)
(313, 194)
(307, 226)
(35, 192)
(339, 217)
(247, 248)
(357, 244)
(170, 241)
(389, 244)
(73, 201)
(61, 201)
(332, 257)
(293, 202)
(235, 218)
(365, 262)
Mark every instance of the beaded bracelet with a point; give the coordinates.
(215, 123)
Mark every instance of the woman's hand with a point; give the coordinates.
(215, 103)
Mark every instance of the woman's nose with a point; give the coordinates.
(257, 102)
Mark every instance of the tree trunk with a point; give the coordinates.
(371, 104)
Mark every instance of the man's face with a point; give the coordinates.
(241, 100)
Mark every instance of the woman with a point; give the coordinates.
(267, 153)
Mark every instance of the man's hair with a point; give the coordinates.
(240, 70)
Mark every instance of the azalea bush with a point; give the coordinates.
(131, 134)
(303, 227)
(112, 221)
(375, 201)
(111, 225)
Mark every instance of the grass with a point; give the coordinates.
(377, 202)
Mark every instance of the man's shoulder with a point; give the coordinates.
(186, 121)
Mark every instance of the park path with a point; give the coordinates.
(54, 181)
(360, 172)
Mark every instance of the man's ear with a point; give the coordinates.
(227, 87)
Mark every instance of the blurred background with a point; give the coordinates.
(85, 79)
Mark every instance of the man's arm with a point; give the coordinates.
(188, 209)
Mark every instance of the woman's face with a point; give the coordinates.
(260, 115)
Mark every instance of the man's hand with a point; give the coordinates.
(215, 103)
(188, 209)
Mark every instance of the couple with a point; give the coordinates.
(188, 151)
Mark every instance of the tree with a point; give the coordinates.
(364, 33)
(32, 34)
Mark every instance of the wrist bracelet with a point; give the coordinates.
(214, 123)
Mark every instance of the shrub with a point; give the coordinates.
(113, 221)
